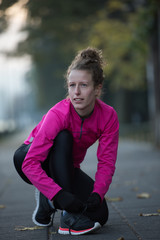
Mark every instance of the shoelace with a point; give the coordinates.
(85, 208)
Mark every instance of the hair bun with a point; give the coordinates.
(89, 53)
(89, 59)
(92, 55)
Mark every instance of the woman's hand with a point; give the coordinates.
(93, 202)
(67, 201)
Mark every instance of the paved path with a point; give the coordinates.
(138, 171)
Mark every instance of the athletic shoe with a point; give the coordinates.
(43, 213)
(77, 224)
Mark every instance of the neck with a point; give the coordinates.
(85, 113)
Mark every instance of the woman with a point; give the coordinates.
(50, 157)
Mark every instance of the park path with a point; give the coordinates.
(137, 172)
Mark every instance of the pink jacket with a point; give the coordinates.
(102, 124)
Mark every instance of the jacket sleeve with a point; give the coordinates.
(38, 153)
(107, 155)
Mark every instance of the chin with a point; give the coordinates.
(78, 106)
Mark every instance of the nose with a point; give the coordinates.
(77, 90)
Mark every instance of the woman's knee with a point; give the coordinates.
(20, 154)
(64, 137)
(62, 147)
(59, 162)
(18, 159)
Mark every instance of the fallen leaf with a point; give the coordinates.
(2, 206)
(135, 189)
(27, 228)
(143, 195)
(121, 238)
(116, 199)
(149, 214)
(53, 233)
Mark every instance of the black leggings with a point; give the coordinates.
(59, 166)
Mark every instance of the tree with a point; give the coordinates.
(153, 64)
(132, 46)
(55, 29)
(122, 29)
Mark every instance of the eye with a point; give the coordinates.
(84, 85)
(71, 85)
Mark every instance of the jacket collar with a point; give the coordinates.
(78, 117)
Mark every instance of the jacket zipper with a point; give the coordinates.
(81, 129)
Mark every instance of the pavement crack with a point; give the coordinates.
(49, 237)
(126, 221)
(50, 232)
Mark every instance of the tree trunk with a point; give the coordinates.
(156, 70)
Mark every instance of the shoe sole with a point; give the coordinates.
(37, 193)
(66, 231)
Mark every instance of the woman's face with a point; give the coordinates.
(82, 92)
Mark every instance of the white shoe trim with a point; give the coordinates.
(37, 193)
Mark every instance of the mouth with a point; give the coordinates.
(78, 99)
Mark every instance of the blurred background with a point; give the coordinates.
(38, 40)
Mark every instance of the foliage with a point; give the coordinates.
(122, 44)
(57, 29)
(3, 19)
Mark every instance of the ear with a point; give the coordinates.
(98, 90)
